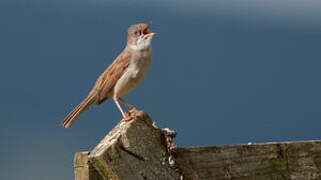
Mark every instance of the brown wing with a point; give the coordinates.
(105, 83)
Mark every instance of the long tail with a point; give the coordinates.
(73, 115)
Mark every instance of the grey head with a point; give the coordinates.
(139, 37)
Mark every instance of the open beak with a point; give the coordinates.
(150, 34)
(147, 34)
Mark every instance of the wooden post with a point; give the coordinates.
(138, 149)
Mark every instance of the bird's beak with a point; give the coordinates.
(150, 34)
(146, 33)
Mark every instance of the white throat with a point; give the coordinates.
(142, 44)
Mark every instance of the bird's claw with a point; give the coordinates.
(128, 113)
(129, 118)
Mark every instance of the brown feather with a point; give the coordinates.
(106, 82)
(73, 115)
(103, 87)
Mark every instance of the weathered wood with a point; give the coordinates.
(135, 149)
(83, 169)
(284, 160)
(138, 149)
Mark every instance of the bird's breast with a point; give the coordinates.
(134, 74)
(140, 63)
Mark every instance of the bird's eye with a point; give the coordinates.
(137, 33)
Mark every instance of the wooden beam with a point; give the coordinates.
(138, 149)
(283, 160)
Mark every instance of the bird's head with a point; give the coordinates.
(139, 37)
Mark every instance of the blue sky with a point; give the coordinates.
(223, 72)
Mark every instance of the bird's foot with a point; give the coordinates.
(132, 110)
(129, 118)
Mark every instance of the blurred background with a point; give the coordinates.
(223, 72)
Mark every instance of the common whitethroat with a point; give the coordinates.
(122, 76)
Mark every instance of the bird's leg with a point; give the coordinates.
(131, 107)
(119, 107)
(126, 118)
(126, 103)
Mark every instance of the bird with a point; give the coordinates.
(122, 76)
